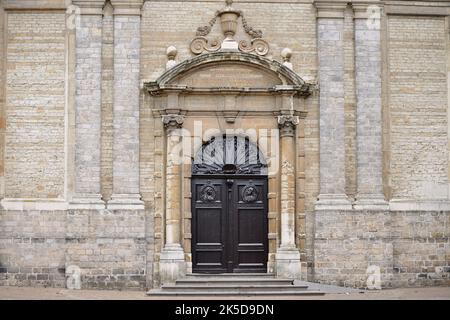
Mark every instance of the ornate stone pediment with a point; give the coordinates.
(216, 72)
(228, 18)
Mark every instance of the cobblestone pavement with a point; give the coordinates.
(28, 293)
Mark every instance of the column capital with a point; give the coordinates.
(127, 7)
(90, 7)
(330, 9)
(287, 124)
(363, 9)
(172, 121)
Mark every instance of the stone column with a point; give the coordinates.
(368, 104)
(88, 105)
(330, 28)
(127, 26)
(287, 256)
(172, 263)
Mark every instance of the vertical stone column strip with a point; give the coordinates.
(107, 101)
(288, 256)
(172, 263)
(330, 28)
(368, 103)
(127, 45)
(447, 28)
(88, 105)
(3, 22)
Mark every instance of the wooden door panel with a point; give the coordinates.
(229, 224)
(250, 224)
(208, 225)
(250, 232)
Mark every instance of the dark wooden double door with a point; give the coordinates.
(229, 224)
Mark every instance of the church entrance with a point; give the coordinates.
(229, 207)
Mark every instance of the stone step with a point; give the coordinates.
(233, 284)
(233, 287)
(227, 281)
(231, 275)
(231, 292)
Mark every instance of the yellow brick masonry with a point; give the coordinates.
(34, 144)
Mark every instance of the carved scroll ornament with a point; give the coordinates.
(229, 20)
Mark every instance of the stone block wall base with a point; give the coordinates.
(288, 263)
(355, 248)
(87, 201)
(125, 202)
(172, 265)
(371, 202)
(333, 202)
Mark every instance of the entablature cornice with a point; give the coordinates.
(366, 9)
(156, 90)
(90, 7)
(330, 9)
(301, 114)
(127, 7)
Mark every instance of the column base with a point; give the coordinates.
(371, 202)
(333, 202)
(172, 265)
(125, 202)
(87, 201)
(287, 263)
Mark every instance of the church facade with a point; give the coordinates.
(142, 141)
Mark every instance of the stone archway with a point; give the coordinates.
(228, 90)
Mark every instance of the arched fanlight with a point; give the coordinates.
(229, 154)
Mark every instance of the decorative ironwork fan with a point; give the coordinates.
(229, 155)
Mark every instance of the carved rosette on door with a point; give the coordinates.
(249, 193)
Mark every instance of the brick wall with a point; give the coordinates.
(410, 248)
(418, 106)
(34, 151)
(110, 248)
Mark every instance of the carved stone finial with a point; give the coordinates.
(286, 54)
(171, 53)
(172, 121)
(287, 124)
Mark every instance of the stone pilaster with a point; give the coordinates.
(88, 105)
(127, 25)
(288, 256)
(330, 28)
(368, 104)
(172, 263)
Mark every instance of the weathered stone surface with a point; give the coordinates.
(88, 104)
(126, 108)
(418, 106)
(332, 120)
(410, 248)
(35, 101)
(114, 144)
(109, 248)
